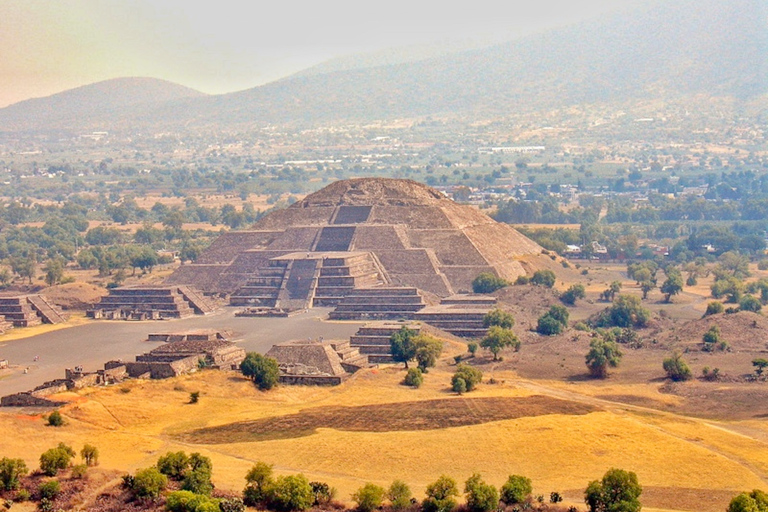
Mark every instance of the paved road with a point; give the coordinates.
(94, 343)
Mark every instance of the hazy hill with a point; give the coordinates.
(672, 49)
(94, 104)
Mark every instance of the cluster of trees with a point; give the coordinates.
(500, 334)
(408, 345)
(553, 322)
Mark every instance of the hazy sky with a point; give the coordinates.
(227, 45)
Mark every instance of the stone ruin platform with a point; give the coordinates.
(317, 362)
(28, 310)
(151, 303)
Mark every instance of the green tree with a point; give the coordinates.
(760, 364)
(414, 378)
(549, 326)
(755, 501)
(54, 271)
(441, 495)
(149, 483)
(499, 338)
(500, 318)
(90, 455)
(399, 495)
(714, 308)
(55, 459)
(750, 303)
(626, 311)
(481, 496)
(258, 482)
(574, 292)
(486, 282)
(198, 477)
(402, 345)
(11, 472)
(262, 370)
(544, 278)
(291, 492)
(369, 497)
(602, 354)
(173, 464)
(55, 419)
(618, 491)
(428, 349)
(516, 489)
(49, 490)
(676, 367)
(673, 285)
(466, 376)
(646, 287)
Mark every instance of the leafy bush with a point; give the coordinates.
(187, 501)
(90, 455)
(481, 497)
(399, 495)
(544, 278)
(79, 471)
(472, 348)
(714, 308)
(231, 505)
(262, 370)
(499, 318)
(466, 377)
(602, 354)
(198, 477)
(50, 489)
(676, 367)
(194, 397)
(427, 350)
(173, 464)
(258, 480)
(23, 495)
(441, 495)
(516, 489)
(369, 497)
(323, 493)
(626, 311)
(413, 378)
(55, 419)
(522, 280)
(618, 490)
(11, 472)
(54, 460)
(755, 501)
(750, 303)
(486, 282)
(291, 492)
(148, 483)
(574, 292)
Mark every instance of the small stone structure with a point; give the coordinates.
(151, 303)
(383, 303)
(28, 310)
(373, 339)
(317, 362)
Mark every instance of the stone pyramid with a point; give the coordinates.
(360, 233)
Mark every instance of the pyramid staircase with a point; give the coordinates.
(351, 358)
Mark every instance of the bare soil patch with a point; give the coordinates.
(403, 416)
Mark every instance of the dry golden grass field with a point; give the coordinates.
(559, 434)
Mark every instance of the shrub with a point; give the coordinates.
(413, 378)
(469, 376)
(481, 497)
(555, 497)
(402, 346)
(322, 492)
(23, 495)
(762, 264)
(486, 282)
(369, 497)
(760, 364)
(750, 303)
(198, 478)
(399, 495)
(602, 354)
(258, 480)
(618, 490)
(676, 367)
(173, 464)
(499, 338)
(441, 495)
(90, 455)
(626, 311)
(50, 489)
(291, 492)
(574, 292)
(194, 397)
(548, 325)
(472, 348)
(427, 350)
(516, 489)
(710, 375)
(499, 318)
(148, 483)
(11, 472)
(54, 460)
(262, 370)
(581, 326)
(79, 471)
(713, 341)
(714, 308)
(755, 501)
(522, 280)
(544, 278)
(231, 505)
(55, 419)
(187, 501)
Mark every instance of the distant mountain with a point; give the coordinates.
(93, 105)
(669, 50)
